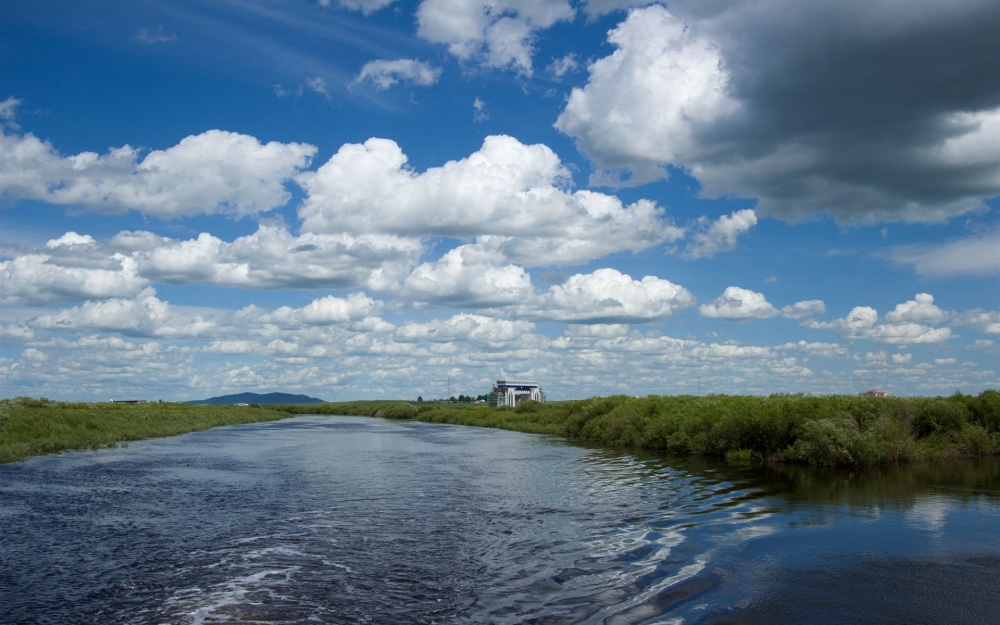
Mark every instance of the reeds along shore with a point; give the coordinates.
(829, 430)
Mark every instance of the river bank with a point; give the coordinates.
(833, 430)
(32, 427)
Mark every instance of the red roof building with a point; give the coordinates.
(873, 392)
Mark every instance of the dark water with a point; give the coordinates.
(356, 520)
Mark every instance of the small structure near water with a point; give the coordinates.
(873, 392)
(513, 392)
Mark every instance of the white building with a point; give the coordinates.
(513, 392)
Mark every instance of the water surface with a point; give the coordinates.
(359, 520)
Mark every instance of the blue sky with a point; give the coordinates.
(363, 198)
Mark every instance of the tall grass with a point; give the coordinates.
(29, 427)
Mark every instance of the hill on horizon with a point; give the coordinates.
(257, 398)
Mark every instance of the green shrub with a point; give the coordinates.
(399, 410)
(976, 441)
(940, 417)
(528, 406)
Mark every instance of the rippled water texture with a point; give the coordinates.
(356, 520)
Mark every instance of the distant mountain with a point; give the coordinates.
(257, 398)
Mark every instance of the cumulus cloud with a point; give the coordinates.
(504, 189)
(466, 327)
(801, 310)
(905, 325)
(920, 309)
(469, 275)
(986, 321)
(215, 171)
(384, 74)
(274, 258)
(497, 34)
(912, 138)
(143, 315)
(711, 238)
(644, 104)
(327, 311)
(606, 296)
(738, 304)
(976, 255)
(75, 267)
(68, 268)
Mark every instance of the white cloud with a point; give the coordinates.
(920, 309)
(596, 8)
(215, 171)
(318, 85)
(801, 310)
(977, 255)
(900, 327)
(384, 74)
(43, 277)
(986, 321)
(738, 304)
(8, 112)
(273, 258)
(75, 267)
(720, 235)
(367, 7)
(327, 310)
(562, 66)
(144, 315)
(466, 327)
(709, 93)
(18, 331)
(469, 275)
(644, 104)
(823, 350)
(506, 189)
(479, 113)
(498, 34)
(607, 296)
(902, 359)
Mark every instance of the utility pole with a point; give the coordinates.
(699, 386)
(449, 387)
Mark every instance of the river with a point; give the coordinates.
(361, 520)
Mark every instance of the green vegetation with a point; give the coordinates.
(29, 427)
(831, 430)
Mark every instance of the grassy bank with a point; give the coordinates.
(829, 430)
(30, 427)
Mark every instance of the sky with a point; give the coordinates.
(366, 199)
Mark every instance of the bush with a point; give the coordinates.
(940, 417)
(985, 409)
(977, 441)
(399, 410)
(528, 406)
